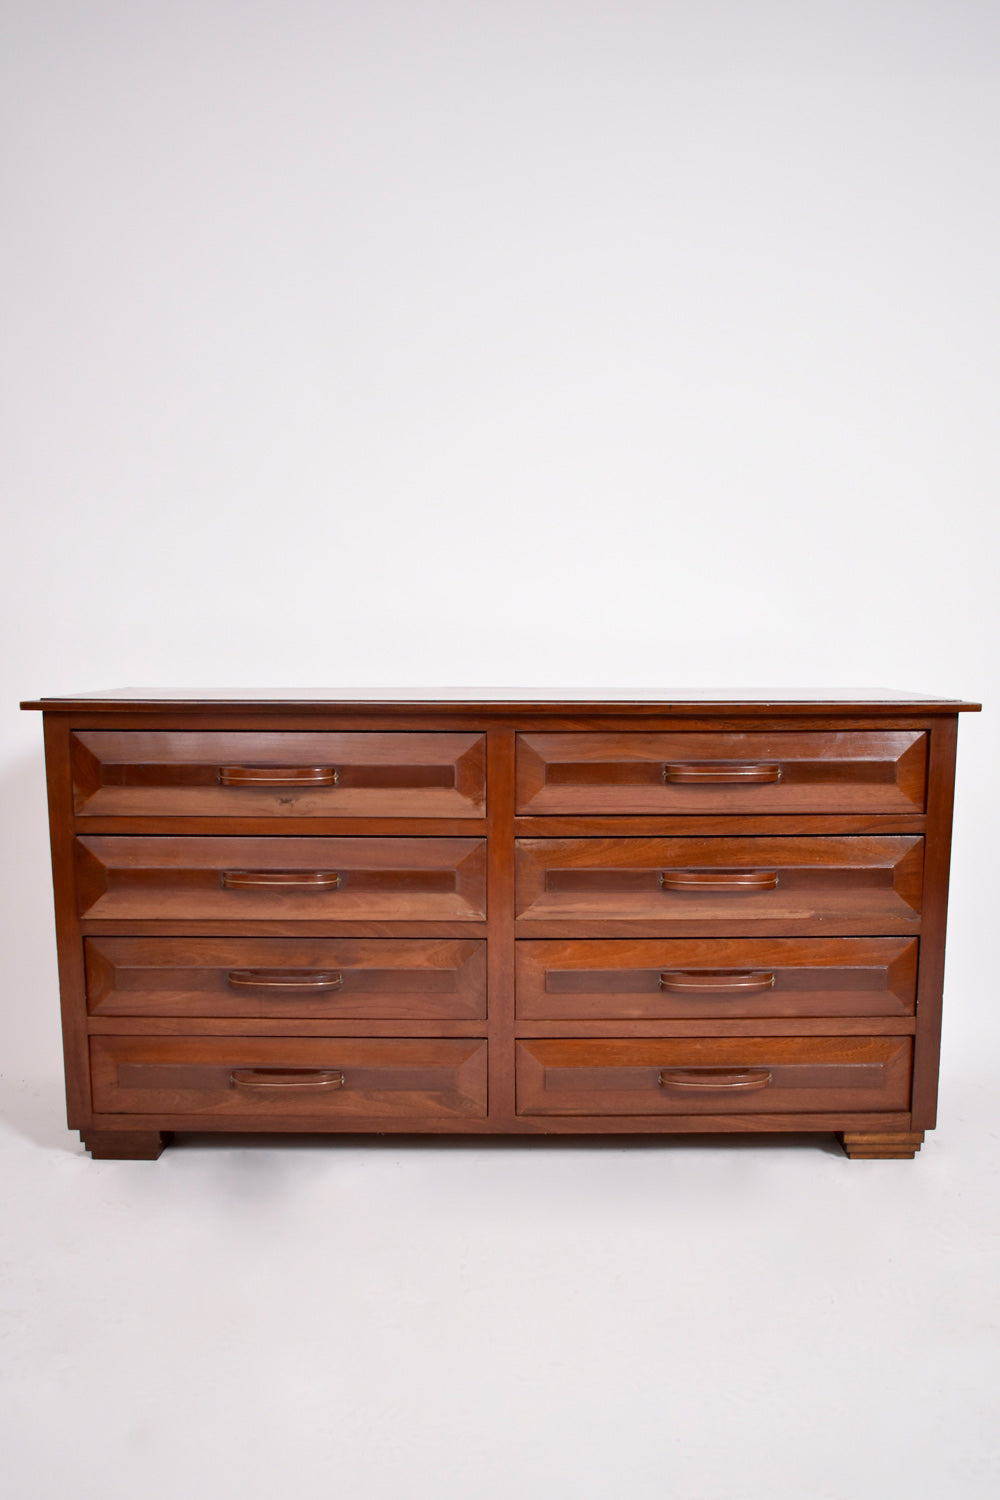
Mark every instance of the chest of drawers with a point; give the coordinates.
(500, 914)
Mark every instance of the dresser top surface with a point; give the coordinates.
(555, 699)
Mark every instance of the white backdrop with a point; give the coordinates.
(608, 342)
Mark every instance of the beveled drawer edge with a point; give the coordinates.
(615, 1029)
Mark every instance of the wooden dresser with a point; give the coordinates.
(500, 914)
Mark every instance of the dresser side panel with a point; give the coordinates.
(69, 942)
(930, 979)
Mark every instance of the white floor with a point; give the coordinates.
(465, 1319)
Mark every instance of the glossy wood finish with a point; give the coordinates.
(386, 1079)
(401, 979)
(784, 772)
(231, 774)
(796, 885)
(264, 905)
(777, 1074)
(711, 979)
(184, 879)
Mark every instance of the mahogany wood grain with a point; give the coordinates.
(363, 1026)
(591, 979)
(227, 774)
(294, 927)
(714, 1074)
(69, 947)
(684, 825)
(192, 983)
(401, 979)
(624, 1028)
(311, 827)
(442, 1026)
(930, 983)
(500, 773)
(722, 773)
(388, 1079)
(823, 885)
(182, 879)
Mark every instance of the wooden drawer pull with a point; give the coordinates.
(295, 981)
(286, 1078)
(312, 880)
(714, 1078)
(680, 981)
(719, 880)
(278, 776)
(721, 772)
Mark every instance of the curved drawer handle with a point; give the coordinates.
(296, 981)
(680, 981)
(721, 772)
(719, 880)
(714, 1078)
(286, 1078)
(278, 776)
(310, 880)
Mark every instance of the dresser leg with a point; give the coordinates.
(896, 1145)
(125, 1145)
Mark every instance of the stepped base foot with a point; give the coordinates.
(125, 1145)
(875, 1145)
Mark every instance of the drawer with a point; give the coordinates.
(715, 1076)
(328, 1079)
(279, 774)
(737, 886)
(337, 978)
(642, 979)
(279, 879)
(778, 772)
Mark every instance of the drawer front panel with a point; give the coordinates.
(337, 1078)
(256, 879)
(285, 978)
(779, 772)
(259, 774)
(642, 979)
(747, 1075)
(735, 886)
